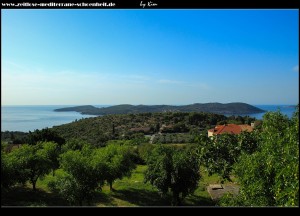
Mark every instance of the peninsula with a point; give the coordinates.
(217, 108)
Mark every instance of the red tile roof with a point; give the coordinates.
(230, 128)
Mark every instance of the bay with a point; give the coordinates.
(31, 117)
(284, 109)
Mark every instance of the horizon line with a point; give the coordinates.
(140, 104)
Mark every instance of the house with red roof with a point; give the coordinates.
(229, 128)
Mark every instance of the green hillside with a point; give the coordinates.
(218, 108)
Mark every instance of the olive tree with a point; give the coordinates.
(32, 162)
(51, 151)
(29, 162)
(117, 160)
(173, 169)
(81, 177)
(270, 176)
(218, 154)
(11, 170)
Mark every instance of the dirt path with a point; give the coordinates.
(217, 191)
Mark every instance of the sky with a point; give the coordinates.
(176, 57)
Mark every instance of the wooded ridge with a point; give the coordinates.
(217, 108)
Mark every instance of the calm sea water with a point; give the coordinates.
(29, 118)
(284, 109)
(25, 118)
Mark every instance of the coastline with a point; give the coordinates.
(31, 117)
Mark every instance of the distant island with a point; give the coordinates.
(217, 108)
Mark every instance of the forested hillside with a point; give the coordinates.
(218, 108)
(98, 130)
(169, 127)
(262, 165)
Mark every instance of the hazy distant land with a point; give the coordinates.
(217, 108)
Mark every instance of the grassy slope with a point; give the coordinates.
(25, 196)
(129, 191)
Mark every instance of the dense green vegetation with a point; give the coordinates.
(125, 169)
(99, 130)
(14, 137)
(81, 177)
(26, 163)
(167, 127)
(116, 160)
(219, 153)
(270, 175)
(174, 169)
(230, 108)
(128, 191)
(173, 138)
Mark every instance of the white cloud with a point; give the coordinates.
(202, 86)
(193, 85)
(296, 68)
(138, 77)
(22, 84)
(167, 81)
(134, 79)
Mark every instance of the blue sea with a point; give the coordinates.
(29, 118)
(284, 109)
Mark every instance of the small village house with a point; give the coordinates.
(229, 128)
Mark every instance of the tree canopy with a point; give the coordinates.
(80, 179)
(175, 170)
(270, 176)
(32, 162)
(117, 161)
